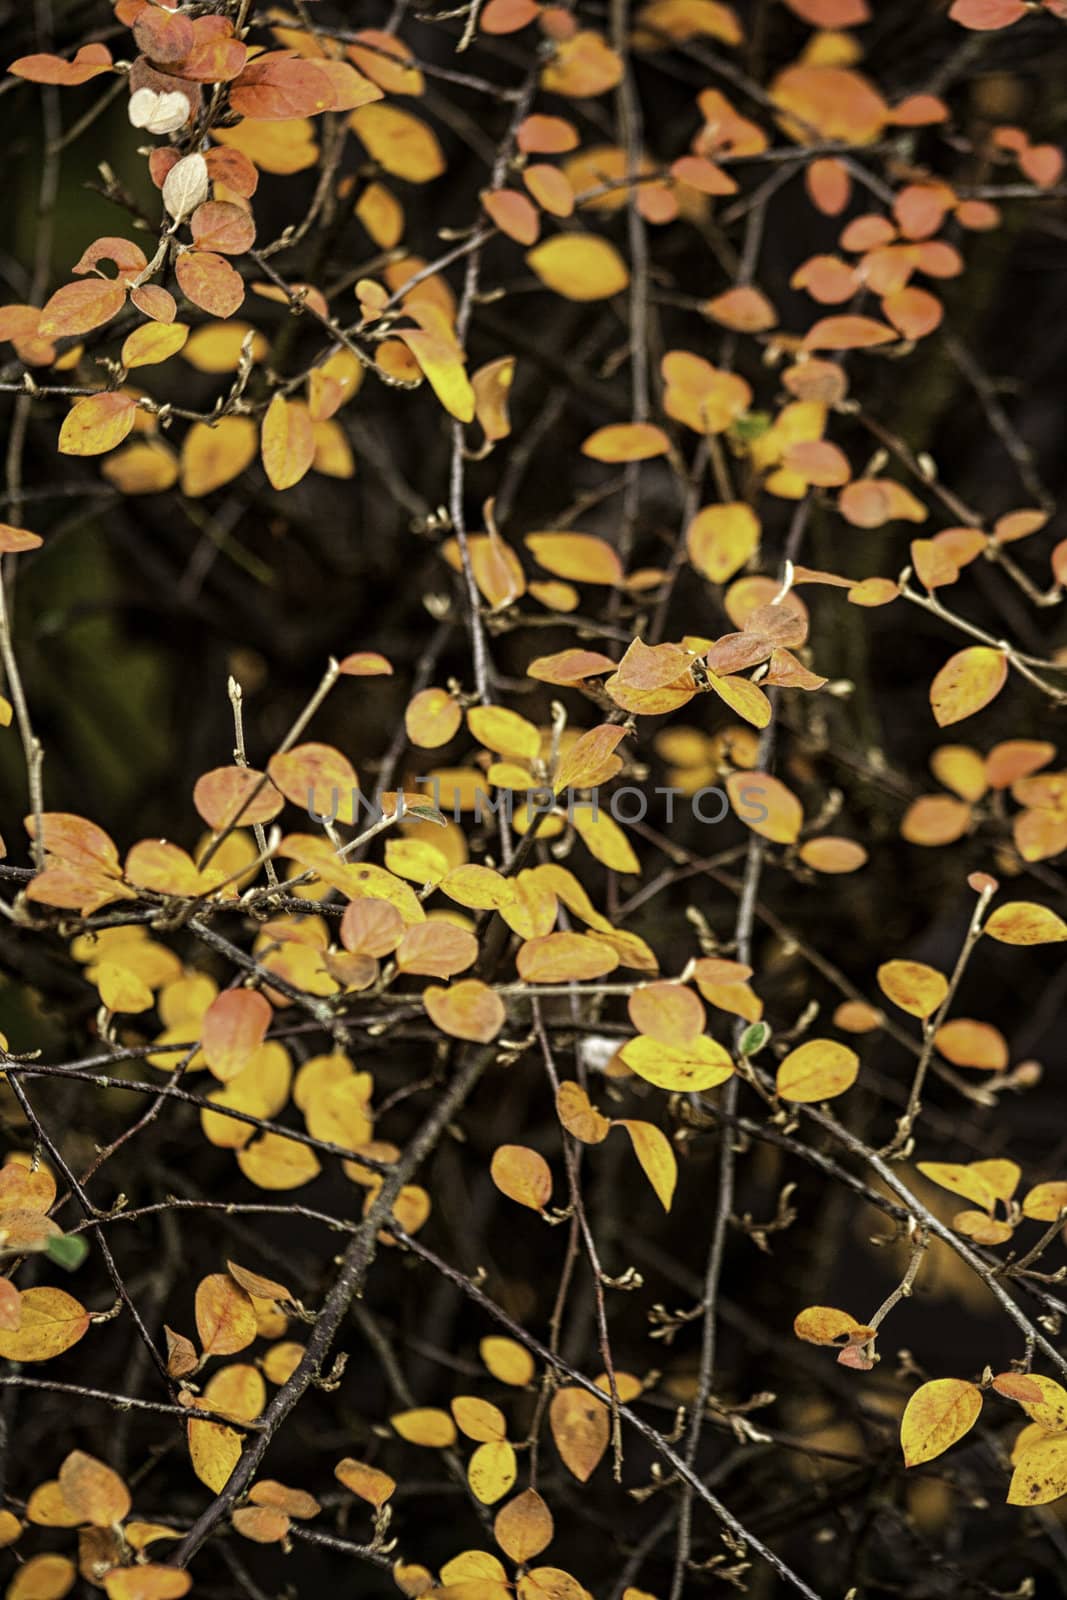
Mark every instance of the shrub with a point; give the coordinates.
(514, 510)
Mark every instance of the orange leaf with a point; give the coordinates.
(220, 225)
(79, 307)
(90, 60)
(966, 683)
(522, 1175)
(276, 88)
(97, 424)
(225, 1316)
(233, 1028)
(847, 333)
(513, 214)
(210, 282)
(744, 309)
(466, 1010)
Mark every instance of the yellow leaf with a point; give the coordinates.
(721, 538)
(1045, 1201)
(653, 1149)
(217, 346)
(983, 1182)
(507, 1361)
(700, 1064)
(402, 144)
(442, 364)
(1023, 922)
(605, 840)
(236, 1392)
(120, 989)
(147, 466)
(579, 266)
(45, 1577)
(274, 1162)
(153, 342)
(1043, 1399)
(426, 1425)
(50, 1322)
(826, 1325)
(937, 1415)
(492, 386)
(505, 733)
(626, 441)
(817, 1070)
(913, 986)
(1040, 1474)
(214, 1451)
(492, 1471)
(478, 1419)
(287, 443)
(581, 557)
(213, 455)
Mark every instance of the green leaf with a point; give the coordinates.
(754, 1038)
(68, 1250)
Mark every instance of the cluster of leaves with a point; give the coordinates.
(425, 999)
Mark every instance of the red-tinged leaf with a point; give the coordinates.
(10, 1306)
(216, 59)
(700, 173)
(572, 666)
(513, 214)
(591, 760)
(744, 309)
(287, 442)
(234, 1027)
(79, 307)
(229, 796)
(847, 333)
(1042, 164)
(127, 258)
(919, 111)
(350, 88)
(97, 424)
(507, 16)
(277, 87)
(365, 664)
(18, 323)
(829, 185)
(165, 37)
(210, 282)
(831, 13)
(90, 61)
(220, 225)
(154, 302)
(233, 168)
(986, 15)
